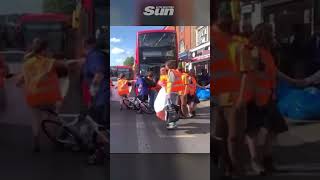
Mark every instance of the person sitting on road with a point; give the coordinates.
(123, 88)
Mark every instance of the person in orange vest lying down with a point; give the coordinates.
(41, 84)
(123, 88)
(192, 99)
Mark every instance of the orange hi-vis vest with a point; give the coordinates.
(46, 92)
(163, 80)
(192, 86)
(123, 88)
(265, 80)
(185, 81)
(225, 75)
(177, 86)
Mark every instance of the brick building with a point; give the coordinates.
(193, 46)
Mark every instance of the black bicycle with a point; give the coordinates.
(135, 103)
(76, 131)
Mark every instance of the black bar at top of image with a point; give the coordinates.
(159, 12)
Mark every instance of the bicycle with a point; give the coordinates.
(135, 103)
(78, 132)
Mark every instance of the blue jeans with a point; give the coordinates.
(152, 97)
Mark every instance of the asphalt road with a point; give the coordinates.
(160, 166)
(16, 158)
(142, 133)
(296, 154)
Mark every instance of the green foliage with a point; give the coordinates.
(129, 61)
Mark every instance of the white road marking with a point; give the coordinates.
(163, 135)
(142, 137)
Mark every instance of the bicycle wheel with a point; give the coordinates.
(128, 104)
(145, 107)
(58, 134)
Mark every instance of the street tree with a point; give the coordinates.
(129, 61)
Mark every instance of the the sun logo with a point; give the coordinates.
(159, 11)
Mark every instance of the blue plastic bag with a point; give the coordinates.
(298, 104)
(203, 94)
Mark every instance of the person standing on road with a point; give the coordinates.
(40, 79)
(163, 77)
(174, 86)
(184, 92)
(123, 89)
(229, 89)
(267, 74)
(152, 85)
(192, 99)
(95, 76)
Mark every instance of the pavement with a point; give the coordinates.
(17, 161)
(142, 133)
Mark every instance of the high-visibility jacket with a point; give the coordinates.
(46, 92)
(225, 76)
(192, 86)
(177, 86)
(185, 81)
(227, 68)
(266, 79)
(123, 87)
(163, 80)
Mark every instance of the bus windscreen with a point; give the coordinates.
(157, 47)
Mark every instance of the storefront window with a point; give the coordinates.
(181, 46)
(202, 35)
(181, 28)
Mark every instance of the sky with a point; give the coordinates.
(123, 42)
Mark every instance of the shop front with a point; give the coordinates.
(200, 59)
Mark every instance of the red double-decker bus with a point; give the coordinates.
(126, 70)
(153, 49)
(55, 28)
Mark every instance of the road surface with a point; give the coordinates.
(142, 133)
(16, 158)
(296, 153)
(160, 167)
